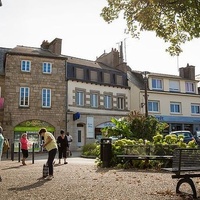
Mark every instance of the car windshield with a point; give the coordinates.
(185, 134)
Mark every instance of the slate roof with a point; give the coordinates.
(33, 51)
(3, 52)
(90, 63)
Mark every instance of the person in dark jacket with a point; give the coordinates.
(62, 146)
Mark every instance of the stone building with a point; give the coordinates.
(34, 90)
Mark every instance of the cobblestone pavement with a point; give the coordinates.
(80, 179)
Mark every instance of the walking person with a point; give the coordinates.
(51, 146)
(1, 145)
(24, 147)
(62, 146)
(70, 139)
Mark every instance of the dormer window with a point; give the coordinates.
(157, 84)
(189, 87)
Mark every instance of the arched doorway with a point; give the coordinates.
(31, 127)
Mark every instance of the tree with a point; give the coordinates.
(135, 126)
(175, 21)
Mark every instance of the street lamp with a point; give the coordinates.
(145, 77)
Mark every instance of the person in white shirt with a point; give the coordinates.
(70, 139)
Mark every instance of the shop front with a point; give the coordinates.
(31, 127)
(177, 123)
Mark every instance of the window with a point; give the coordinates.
(174, 86)
(153, 106)
(94, 100)
(195, 109)
(157, 84)
(24, 96)
(46, 98)
(106, 78)
(189, 87)
(25, 65)
(79, 73)
(107, 102)
(119, 80)
(120, 103)
(80, 98)
(175, 107)
(47, 68)
(93, 76)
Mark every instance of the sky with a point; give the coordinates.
(86, 35)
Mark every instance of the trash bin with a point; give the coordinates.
(106, 151)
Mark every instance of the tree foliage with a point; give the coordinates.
(175, 21)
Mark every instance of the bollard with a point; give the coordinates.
(12, 151)
(33, 153)
(19, 145)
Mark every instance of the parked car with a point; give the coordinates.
(187, 135)
(197, 137)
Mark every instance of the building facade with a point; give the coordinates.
(171, 99)
(42, 88)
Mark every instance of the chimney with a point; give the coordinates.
(55, 46)
(187, 72)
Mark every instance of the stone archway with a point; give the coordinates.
(31, 127)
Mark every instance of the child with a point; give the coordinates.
(24, 147)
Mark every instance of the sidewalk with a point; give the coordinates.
(37, 156)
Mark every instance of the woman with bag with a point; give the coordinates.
(51, 146)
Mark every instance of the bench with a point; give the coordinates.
(129, 158)
(185, 166)
(146, 153)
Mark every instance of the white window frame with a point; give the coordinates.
(46, 98)
(152, 105)
(158, 84)
(175, 106)
(47, 68)
(94, 100)
(80, 98)
(120, 102)
(107, 101)
(24, 96)
(174, 86)
(25, 65)
(195, 109)
(190, 87)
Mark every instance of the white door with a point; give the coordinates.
(80, 138)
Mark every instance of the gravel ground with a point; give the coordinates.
(82, 180)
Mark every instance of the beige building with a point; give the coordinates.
(171, 99)
(97, 91)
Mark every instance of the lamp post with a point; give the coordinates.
(145, 77)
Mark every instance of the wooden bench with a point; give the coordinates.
(185, 165)
(128, 158)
